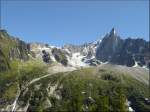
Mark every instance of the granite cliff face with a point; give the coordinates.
(110, 45)
(123, 52)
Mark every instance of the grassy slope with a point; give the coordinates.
(20, 74)
(108, 89)
(5, 44)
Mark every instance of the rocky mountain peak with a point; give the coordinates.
(113, 36)
(110, 44)
(113, 31)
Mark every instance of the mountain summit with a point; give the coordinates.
(113, 31)
(123, 52)
(110, 44)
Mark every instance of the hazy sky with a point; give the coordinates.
(60, 22)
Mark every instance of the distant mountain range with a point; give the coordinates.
(111, 49)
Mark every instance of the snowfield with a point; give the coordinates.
(76, 60)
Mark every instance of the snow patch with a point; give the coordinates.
(104, 62)
(145, 67)
(128, 103)
(98, 41)
(136, 64)
(76, 60)
(38, 51)
(67, 51)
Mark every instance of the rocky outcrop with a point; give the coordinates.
(87, 49)
(133, 50)
(46, 57)
(110, 45)
(60, 56)
(20, 51)
(73, 48)
(123, 52)
(11, 48)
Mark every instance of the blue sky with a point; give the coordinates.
(61, 22)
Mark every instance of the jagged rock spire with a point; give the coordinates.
(113, 31)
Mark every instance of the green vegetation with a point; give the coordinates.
(20, 74)
(11, 91)
(4, 64)
(136, 92)
(10, 49)
(88, 89)
(30, 70)
(6, 42)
